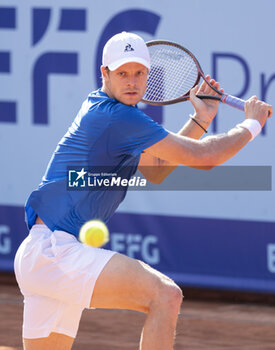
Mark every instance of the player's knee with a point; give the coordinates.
(160, 291)
(173, 297)
(169, 296)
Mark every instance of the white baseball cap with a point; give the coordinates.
(124, 48)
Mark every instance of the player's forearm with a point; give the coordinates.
(192, 129)
(162, 168)
(209, 152)
(220, 148)
(216, 149)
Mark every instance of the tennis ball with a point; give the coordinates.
(94, 233)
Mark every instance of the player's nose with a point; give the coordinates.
(132, 80)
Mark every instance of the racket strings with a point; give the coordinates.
(173, 73)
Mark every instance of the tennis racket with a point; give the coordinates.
(174, 72)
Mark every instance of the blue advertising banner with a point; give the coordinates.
(215, 253)
(230, 254)
(12, 232)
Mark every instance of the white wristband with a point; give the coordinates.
(252, 125)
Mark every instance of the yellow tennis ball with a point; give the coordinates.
(94, 233)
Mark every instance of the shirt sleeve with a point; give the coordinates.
(133, 131)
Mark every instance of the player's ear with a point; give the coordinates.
(104, 71)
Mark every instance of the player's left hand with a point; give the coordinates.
(205, 109)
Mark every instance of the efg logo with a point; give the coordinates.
(48, 24)
(5, 240)
(271, 257)
(49, 62)
(137, 246)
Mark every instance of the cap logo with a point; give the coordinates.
(128, 48)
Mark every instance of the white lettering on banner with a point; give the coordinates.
(271, 257)
(134, 244)
(5, 242)
(152, 258)
(118, 242)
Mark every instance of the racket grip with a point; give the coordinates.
(233, 101)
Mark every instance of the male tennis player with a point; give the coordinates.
(58, 275)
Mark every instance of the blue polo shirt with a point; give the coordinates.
(105, 134)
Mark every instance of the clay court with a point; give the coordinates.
(208, 321)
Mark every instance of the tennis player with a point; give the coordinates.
(59, 276)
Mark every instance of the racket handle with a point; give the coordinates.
(233, 101)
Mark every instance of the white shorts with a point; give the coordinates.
(56, 274)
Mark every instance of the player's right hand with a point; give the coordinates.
(256, 109)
